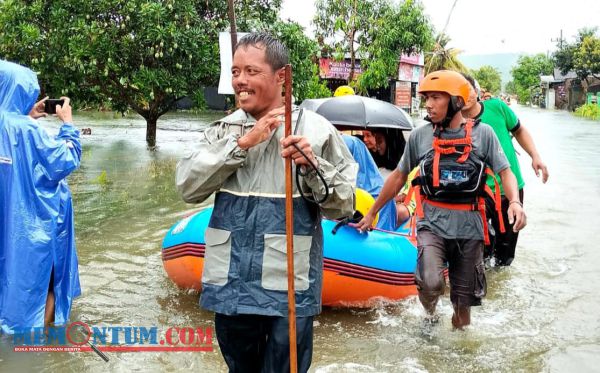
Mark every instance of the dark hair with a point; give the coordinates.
(394, 148)
(276, 53)
(471, 80)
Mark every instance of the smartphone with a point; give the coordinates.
(50, 105)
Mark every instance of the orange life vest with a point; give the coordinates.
(452, 176)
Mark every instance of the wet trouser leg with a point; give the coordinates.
(277, 355)
(256, 343)
(504, 244)
(431, 263)
(242, 340)
(467, 278)
(465, 268)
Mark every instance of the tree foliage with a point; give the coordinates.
(586, 59)
(526, 74)
(138, 54)
(345, 27)
(510, 88)
(582, 56)
(403, 29)
(376, 31)
(442, 57)
(564, 56)
(489, 78)
(303, 57)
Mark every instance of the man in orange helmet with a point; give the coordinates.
(453, 155)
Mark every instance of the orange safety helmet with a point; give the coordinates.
(447, 81)
(452, 83)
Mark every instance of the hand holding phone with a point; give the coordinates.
(50, 105)
(63, 110)
(37, 111)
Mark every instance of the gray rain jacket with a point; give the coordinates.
(245, 260)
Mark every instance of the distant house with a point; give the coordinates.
(336, 73)
(401, 91)
(410, 73)
(550, 87)
(569, 90)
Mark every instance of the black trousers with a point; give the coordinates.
(504, 245)
(256, 343)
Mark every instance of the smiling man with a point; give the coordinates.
(452, 155)
(240, 158)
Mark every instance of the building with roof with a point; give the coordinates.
(567, 91)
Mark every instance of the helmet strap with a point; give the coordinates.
(454, 106)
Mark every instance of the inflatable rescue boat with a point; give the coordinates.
(359, 270)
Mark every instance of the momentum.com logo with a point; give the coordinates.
(80, 337)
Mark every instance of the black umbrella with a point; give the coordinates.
(357, 112)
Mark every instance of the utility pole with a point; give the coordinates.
(560, 40)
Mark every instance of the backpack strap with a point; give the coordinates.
(497, 197)
(486, 235)
(478, 206)
(415, 189)
(448, 146)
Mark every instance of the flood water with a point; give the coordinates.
(541, 314)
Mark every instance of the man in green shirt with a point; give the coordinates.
(448, 235)
(506, 125)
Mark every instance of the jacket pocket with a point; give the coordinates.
(274, 267)
(217, 256)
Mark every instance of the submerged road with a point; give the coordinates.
(541, 314)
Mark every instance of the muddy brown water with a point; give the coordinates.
(541, 314)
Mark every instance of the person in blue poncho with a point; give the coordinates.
(38, 262)
(370, 180)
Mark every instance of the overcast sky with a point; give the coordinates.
(484, 27)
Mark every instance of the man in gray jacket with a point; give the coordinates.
(240, 158)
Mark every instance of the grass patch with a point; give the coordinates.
(590, 111)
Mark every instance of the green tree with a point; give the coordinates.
(582, 56)
(376, 31)
(489, 78)
(303, 58)
(402, 29)
(586, 59)
(261, 15)
(564, 56)
(442, 57)
(510, 88)
(526, 74)
(138, 54)
(345, 26)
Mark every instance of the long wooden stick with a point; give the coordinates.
(289, 224)
(232, 24)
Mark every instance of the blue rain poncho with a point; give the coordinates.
(370, 180)
(37, 233)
